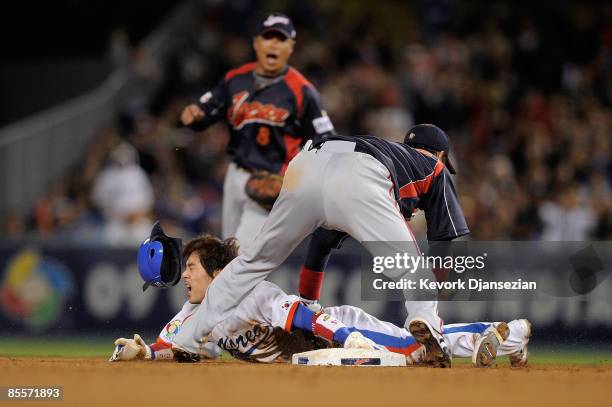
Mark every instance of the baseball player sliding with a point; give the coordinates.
(271, 110)
(365, 187)
(270, 325)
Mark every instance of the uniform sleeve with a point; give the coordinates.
(444, 216)
(161, 349)
(173, 326)
(214, 103)
(315, 121)
(274, 305)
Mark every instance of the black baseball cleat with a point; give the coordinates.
(487, 344)
(437, 352)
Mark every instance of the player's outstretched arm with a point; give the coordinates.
(137, 349)
(161, 349)
(210, 108)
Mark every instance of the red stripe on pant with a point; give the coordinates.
(404, 351)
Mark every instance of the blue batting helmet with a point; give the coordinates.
(159, 259)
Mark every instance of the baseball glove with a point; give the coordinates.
(264, 187)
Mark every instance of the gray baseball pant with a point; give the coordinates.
(242, 217)
(332, 187)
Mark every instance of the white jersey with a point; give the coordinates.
(249, 333)
(259, 330)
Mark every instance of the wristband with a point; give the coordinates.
(324, 326)
(149, 354)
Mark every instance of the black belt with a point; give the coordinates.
(242, 167)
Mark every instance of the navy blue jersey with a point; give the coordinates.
(270, 119)
(421, 182)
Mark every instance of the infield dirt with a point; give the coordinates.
(96, 382)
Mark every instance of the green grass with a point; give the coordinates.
(64, 348)
(550, 356)
(75, 348)
(569, 357)
(85, 347)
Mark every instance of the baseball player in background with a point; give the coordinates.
(363, 186)
(272, 110)
(270, 325)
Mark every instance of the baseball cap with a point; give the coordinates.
(430, 137)
(276, 22)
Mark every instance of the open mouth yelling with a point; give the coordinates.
(271, 58)
(188, 286)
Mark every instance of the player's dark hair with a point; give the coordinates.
(214, 253)
(426, 148)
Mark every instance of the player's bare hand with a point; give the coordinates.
(130, 349)
(191, 114)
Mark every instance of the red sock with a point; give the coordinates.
(311, 282)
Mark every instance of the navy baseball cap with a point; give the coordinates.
(277, 22)
(430, 137)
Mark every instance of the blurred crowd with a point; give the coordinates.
(525, 97)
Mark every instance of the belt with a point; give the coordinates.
(338, 146)
(242, 167)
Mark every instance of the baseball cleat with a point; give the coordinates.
(520, 358)
(436, 349)
(487, 344)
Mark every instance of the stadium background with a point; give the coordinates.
(95, 89)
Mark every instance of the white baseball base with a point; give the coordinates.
(348, 357)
